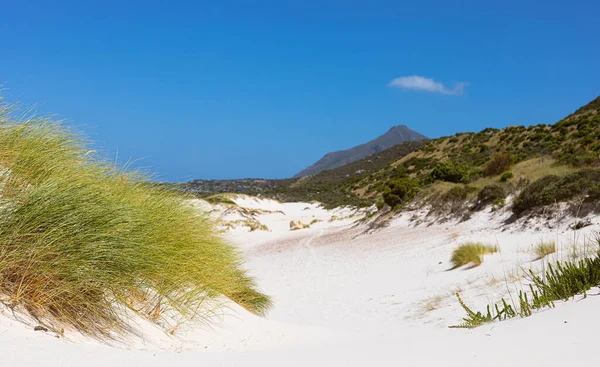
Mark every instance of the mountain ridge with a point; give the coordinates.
(449, 171)
(395, 135)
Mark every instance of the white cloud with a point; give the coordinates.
(417, 82)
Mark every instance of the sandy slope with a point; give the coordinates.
(344, 297)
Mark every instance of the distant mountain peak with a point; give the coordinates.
(395, 135)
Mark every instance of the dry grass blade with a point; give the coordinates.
(544, 249)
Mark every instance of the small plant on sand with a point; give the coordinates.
(471, 253)
(544, 249)
(498, 204)
(335, 218)
(255, 225)
(473, 319)
(560, 282)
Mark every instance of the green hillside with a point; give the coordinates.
(454, 173)
(458, 167)
(332, 187)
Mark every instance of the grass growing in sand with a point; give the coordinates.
(81, 239)
(561, 281)
(471, 253)
(544, 249)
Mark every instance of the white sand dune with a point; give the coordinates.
(347, 298)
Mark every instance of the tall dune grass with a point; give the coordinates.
(80, 238)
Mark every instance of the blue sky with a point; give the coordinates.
(232, 89)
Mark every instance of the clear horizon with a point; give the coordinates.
(263, 90)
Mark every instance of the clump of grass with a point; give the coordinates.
(80, 239)
(252, 224)
(471, 253)
(560, 282)
(544, 249)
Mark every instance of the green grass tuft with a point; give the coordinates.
(80, 238)
(561, 281)
(470, 253)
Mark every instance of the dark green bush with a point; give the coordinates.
(551, 189)
(476, 173)
(541, 192)
(499, 163)
(458, 193)
(491, 193)
(579, 158)
(450, 172)
(399, 191)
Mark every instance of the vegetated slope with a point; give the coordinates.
(590, 107)
(457, 173)
(81, 239)
(394, 136)
(336, 187)
(333, 187)
(457, 168)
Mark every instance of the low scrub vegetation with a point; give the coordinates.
(471, 253)
(506, 176)
(81, 239)
(584, 184)
(458, 193)
(450, 172)
(513, 157)
(252, 224)
(490, 194)
(400, 191)
(498, 164)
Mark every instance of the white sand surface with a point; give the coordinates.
(345, 297)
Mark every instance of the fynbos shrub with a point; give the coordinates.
(499, 163)
(490, 193)
(399, 191)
